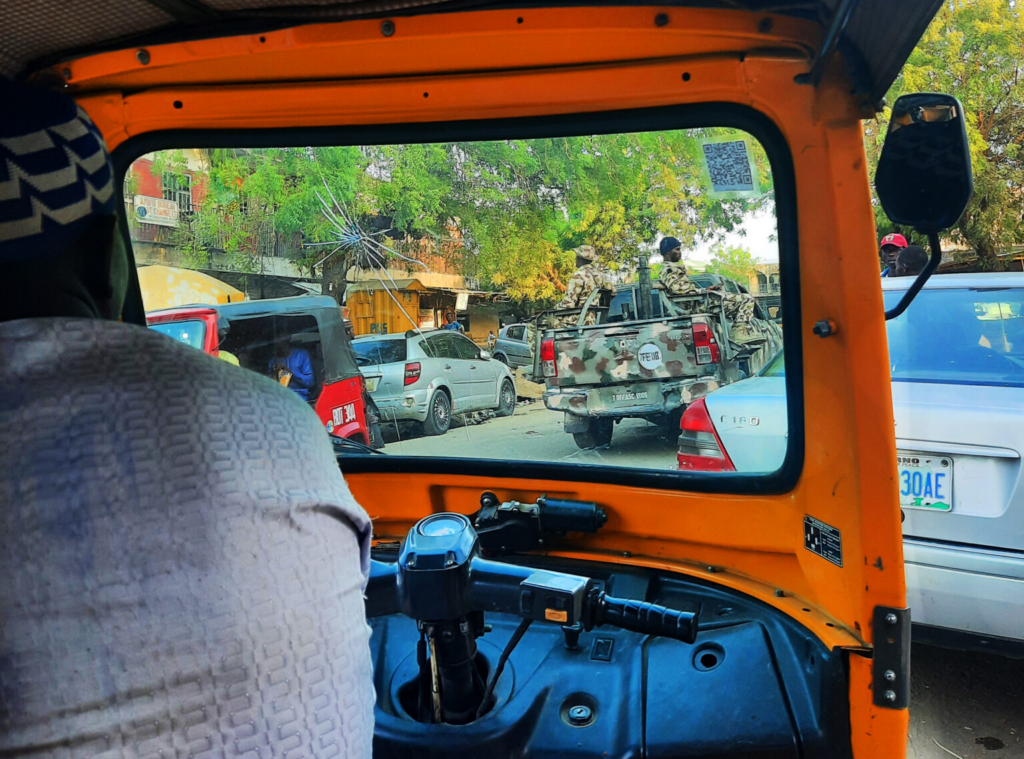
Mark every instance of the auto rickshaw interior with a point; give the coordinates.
(257, 341)
(554, 607)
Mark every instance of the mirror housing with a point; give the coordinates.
(924, 177)
(485, 355)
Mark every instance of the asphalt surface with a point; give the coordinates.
(534, 433)
(966, 705)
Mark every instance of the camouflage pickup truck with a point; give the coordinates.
(612, 364)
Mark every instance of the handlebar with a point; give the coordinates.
(493, 586)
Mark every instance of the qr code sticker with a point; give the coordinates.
(729, 166)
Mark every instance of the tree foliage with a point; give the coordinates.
(973, 49)
(733, 262)
(507, 212)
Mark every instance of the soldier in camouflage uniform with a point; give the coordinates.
(587, 278)
(739, 307)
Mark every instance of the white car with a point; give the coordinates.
(957, 360)
(429, 376)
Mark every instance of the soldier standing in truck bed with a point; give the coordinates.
(739, 307)
(589, 276)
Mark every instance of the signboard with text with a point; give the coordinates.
(156, 211)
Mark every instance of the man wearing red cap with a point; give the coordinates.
(888, 248)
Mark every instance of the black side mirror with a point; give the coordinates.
(924, 177)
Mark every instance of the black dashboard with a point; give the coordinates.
(753, 683)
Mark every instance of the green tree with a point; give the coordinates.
(733, 262)
(973, 49)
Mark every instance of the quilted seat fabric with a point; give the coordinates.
(182, 565)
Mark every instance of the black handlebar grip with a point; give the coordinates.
(643, 617)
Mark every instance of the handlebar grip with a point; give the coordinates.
(643, 617)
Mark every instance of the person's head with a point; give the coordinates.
(671, 249)
(449, 318)
(911, 261)
(585, 255)
(889, 247)
(283, 346)
(61, 252)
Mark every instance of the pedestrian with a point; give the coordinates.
(589, 276)
(182, 562)
(911, 261)
(739, 307)
(888, 248)
(292, 368)
(451, 323)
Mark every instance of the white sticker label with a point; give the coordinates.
(649, 356)
(729, 167)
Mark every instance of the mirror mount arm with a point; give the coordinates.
(915, 288)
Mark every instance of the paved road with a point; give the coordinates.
(534, 433)
(963, 705)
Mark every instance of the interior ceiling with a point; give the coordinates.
(876, 41)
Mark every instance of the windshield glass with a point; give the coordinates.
(379, 351)
(637, 269)
(776, 367)
(971, 336)
(191, 332)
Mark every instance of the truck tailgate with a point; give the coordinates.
(614, 353)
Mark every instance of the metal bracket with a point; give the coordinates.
(890, 665)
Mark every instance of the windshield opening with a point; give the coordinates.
(573, 296)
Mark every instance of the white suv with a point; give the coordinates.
(429, 376)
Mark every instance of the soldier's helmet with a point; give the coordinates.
(587, 252)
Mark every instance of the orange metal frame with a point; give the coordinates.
(505, 64)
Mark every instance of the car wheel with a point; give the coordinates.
(507, 399)
(501, 357)
(599, 434)
(439, 414)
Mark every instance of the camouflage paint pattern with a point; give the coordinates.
(619, 353)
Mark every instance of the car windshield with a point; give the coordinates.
(191, 331)
(370, 352)
(776, 367)
(969, 336)
(633, 269)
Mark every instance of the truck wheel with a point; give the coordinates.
(507, 399)
(439, 414)
(599, 433)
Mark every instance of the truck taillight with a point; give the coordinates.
(706, 346)
(700, 448)
(547, 358)
(412, 372)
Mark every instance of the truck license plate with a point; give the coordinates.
(639, 396)
(925, 481)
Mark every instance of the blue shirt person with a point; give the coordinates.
(298, 365)
(452, 324)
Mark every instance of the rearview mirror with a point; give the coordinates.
(924, 177)
(485, 355)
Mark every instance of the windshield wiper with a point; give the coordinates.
(343, 445)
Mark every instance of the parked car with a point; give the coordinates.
(513, 347)
(428, 376)
(957, 361)
(248, 334)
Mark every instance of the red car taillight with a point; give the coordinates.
(700, 448)
(706, 346)
(547, 358)
(412, 372)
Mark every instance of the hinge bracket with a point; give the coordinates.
(890, 663)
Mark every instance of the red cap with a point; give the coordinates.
(898, 240)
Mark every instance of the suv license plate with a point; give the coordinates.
(371, 383)
(925, 481)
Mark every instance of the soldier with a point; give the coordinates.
(739, 307)
(587, 278)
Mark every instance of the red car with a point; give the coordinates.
(253, 333)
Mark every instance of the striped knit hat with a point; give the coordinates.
(55, 172)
